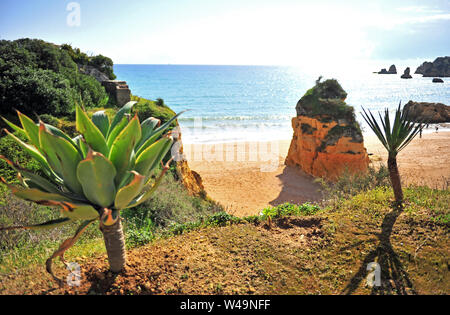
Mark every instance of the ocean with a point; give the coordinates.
(257, 103)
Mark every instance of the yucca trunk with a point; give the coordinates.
(115, 246)
(395, 179)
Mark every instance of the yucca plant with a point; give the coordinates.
(394, 140)
(106, 169)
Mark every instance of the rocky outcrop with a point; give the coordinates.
(93, 72)
(438, 68)
(432, 113)
(327, 139)
(119, 90)
(438, 80)
(392, 70)
(406, 74)
(189, 178)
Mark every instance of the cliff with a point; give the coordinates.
(190, 179)
(327, 139)
(438, 68)
(428, 112)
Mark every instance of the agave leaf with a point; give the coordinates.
(15, 127)
(43, 226)
(149, 188)
(116, 131)
(37, 156)
(36, 195)
(157, 133)
(126, 109)
(148, 126)
(153, 155)
(123, 146)
(81, 144)
(77, 211)
(62, 157)
(31, 129)
(64, 247)
(101, 120)
(40, 182)
(129, 192)
(96, 175)
(93, 136)
(57, 132)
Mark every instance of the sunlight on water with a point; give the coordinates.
(237, 103)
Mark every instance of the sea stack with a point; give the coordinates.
(406, 74)
(392, 70)
(327, 138)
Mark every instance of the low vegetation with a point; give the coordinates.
(322, 253)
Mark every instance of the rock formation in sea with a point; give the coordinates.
(392, 70)
(406, 74)
(438, 68)
(432, 113)
(327, 138)
(438, 80)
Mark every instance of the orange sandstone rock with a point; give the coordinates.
(326, 144)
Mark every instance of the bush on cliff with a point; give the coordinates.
(39, 77)
(100, 62)
(146, 108)
(325, 98)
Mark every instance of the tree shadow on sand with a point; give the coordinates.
(389, 262)
(297, 187)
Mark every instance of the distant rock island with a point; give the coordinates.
(327, 138)
(392, 70)
(438, 68)
(406, 74)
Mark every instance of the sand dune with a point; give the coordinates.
(247, 177)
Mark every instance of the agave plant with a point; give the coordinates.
(394, 140)
(106, 169)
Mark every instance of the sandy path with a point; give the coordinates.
(246, 178)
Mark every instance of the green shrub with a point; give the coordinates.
(39, 77)
(350, 184)
(146, 108)
(35, 91)
(49, 119)
(288, 209)
(170, 209)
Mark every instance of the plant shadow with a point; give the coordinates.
(297, 187)
(389, 262)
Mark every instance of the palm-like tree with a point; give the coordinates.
(394, 140)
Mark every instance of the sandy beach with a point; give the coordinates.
(247, 177)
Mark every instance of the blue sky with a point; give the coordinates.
(238, 31)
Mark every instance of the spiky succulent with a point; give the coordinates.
(106, 169)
